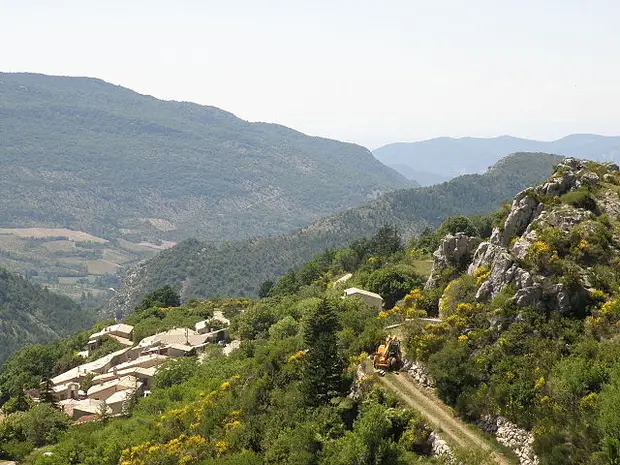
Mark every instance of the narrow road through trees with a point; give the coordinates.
(440, 416)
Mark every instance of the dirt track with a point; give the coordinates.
(438, 414)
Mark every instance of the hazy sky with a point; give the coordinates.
(371, 72)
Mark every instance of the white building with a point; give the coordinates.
(120, 332)
(371, 299)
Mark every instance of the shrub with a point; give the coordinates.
(461, 290)
(581, 198)
(393, 282)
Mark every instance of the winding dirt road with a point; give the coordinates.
(439, 415)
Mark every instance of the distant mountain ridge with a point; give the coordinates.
(448, 157)
(86, 155)
(91, 156)
(238, 268)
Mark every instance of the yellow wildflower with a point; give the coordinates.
(221, 447)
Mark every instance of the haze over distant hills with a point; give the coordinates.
(204, 269)
(440, 159)
(88, 155)
(129, 169)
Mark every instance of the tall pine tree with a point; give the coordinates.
(323, 365)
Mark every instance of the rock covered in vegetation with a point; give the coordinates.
(519, 440)
(455, 252)
(524, 208)
(519, 255)
(355, 393)
(531, 331)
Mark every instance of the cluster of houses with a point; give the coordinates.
(107, 385)
(114, 380)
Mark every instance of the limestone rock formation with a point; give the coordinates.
(420, 374)
(441, 448)
(453, 252)
(506, 259)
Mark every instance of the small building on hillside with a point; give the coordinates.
(144, 361)
(371, 299)
(104, 390)
(98, 366)
(342, 280)
(66, 391)
(174, 336)
(144, 375)
(119, 332)
(81, 408)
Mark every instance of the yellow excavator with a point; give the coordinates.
(388, 355)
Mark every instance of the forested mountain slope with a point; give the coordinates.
(526, 347)
(292, 393)
(238, 268)
(448, 157)
(83, 154)
(530, 318)
(30, 314)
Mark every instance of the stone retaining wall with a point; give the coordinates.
(441, 448)
(420, 374)
(520, 441)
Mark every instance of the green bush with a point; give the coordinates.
(393, 282)
(581, 198)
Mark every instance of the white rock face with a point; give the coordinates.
(507, 251)
(454, 251)
(520, 441)
(356, 388)
(524, 209)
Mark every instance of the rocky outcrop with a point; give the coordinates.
(561, 183)
(355, 393)
(524, 253)
(453, 252)
(524, 209)
(517, 439)
(503, 270)
(502, 258)
(563, 218)
(609, 203)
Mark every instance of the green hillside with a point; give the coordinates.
(238, 268)
(30, 314)
(91, 156)
(524, 345)
(82, 154)
(291, 394)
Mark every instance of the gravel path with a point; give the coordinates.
(436, 412)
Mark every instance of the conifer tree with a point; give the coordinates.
(323, 365)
